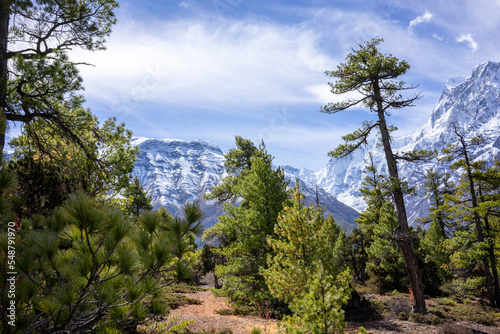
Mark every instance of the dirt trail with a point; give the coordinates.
(205, 318)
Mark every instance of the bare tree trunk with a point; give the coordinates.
(4, 71)
(493, 262)
(216, 281)
(401, 232)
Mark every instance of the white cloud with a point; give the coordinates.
(186, 4)
(420, 19)
(468, 38)
(436, 36)
(324, 95)
(202, 63)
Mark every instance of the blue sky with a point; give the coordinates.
(215, 69)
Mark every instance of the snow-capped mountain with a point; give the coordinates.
(471, 105)
(176, 171)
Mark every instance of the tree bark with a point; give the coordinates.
(493, 262)
(4, 71)
(401, 232)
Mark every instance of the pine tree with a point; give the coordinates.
(469, 210)
(137, 198)
(436, 186)
(436, 258)
(385, 263)
(372, 74)
(374, 195)
(78, 272)
(376, 223)
(37, 79)
(238, 161)
(48, 173)
(242, 233)
(304, 268)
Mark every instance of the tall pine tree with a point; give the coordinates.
(242, 233)
(373, 75)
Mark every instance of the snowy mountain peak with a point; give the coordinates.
(171, 145)
(471, 105)
(453, 82)
(176, 171)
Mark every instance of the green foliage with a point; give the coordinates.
(475, 313)
(169, 326)
(256, 330)
(473, 247)
(136, 198)
(38, 80)
(209, 259)
(164, 242)
(304, 269)
(238, 310)
(48, 172)
(241, 234)
(79, 273)
(392, 306)
(87, 266)
(435, 258)
(7, 183)
(373, 75)
(362, 330)
(237, 162)
(386, 266)
(174, 300)
(373, 247)
(358, 73)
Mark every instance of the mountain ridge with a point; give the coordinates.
(175, 171)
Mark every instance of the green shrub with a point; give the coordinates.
(174, 300)
(256, 330)
(403, 316)
(168, 326)
(183, 287)
(392, 306)
(78, 268)
(88, 266)
(225, 311)
(238, 310)
(466, 312)
(448, 328)
(478, 314)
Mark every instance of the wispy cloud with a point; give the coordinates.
(436, 36)
(420, 19)
(200, 63)
(468, 38)
(186, 4)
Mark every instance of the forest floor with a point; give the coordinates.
(203, 318)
